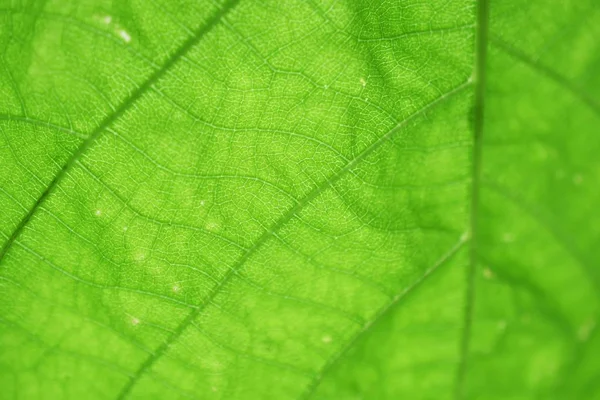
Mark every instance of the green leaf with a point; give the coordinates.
(335, 199)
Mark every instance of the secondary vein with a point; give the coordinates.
(317, 378)
(126, 105)
(267, 234)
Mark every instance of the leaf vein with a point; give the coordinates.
(291, 213)
(121, 110)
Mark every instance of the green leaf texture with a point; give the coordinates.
(299, 199)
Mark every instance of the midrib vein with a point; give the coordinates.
(478, 110)
(126, 105)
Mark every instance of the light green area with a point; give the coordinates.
(300, 199)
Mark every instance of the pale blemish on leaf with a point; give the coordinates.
(584, 331)
(465, 236)
(508, 237)
(212, 226)
(124, 35)
(140, 255)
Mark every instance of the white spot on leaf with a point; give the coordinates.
(212, 226)
(124, 35)
(139, 255)
(465, 236)
(363, 82)
(326, 339)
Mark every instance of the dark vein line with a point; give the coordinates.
(249, 355)
(126, 105)
(448, 29)
(583, 352)
(101, 286)
(285, 218)
(15, 86)
(380, 313)
(36, 122)
(479, 77)
(561, 238)
(156, 355)
(547, 71)
(546, 305)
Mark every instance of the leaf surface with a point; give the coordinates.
(299, 200)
